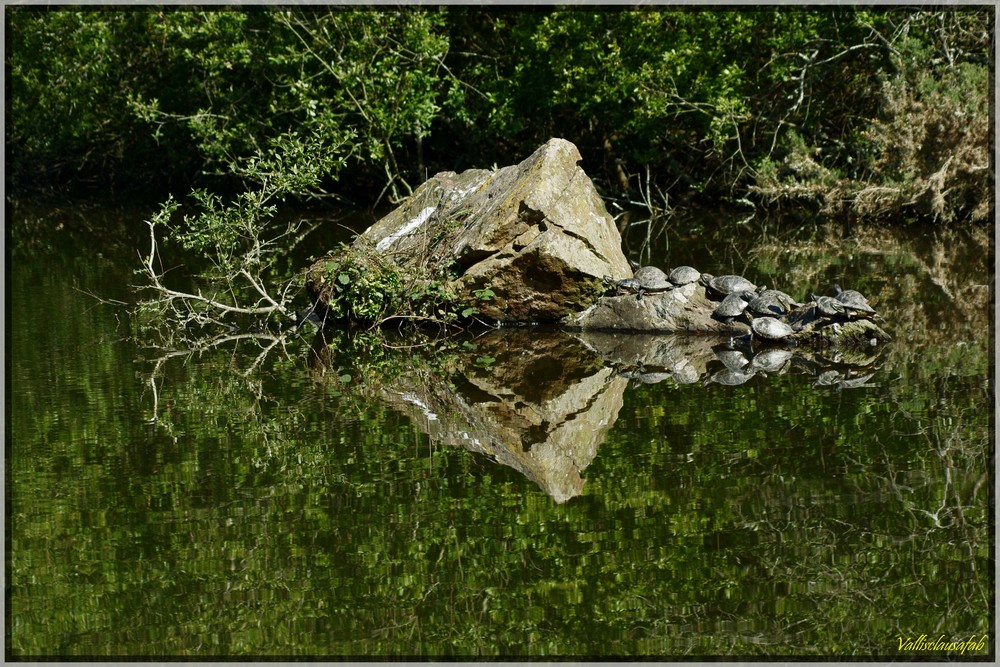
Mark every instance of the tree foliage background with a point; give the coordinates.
(874, 112)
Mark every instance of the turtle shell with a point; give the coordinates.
(646, 279)
(772, 302)
(732, 306)
(770, 328)
(829, 306)
(684, 275)
(729, 284)
(853, 300)
(650, 277)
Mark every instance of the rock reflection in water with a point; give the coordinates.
(547, 399)
(543, 407)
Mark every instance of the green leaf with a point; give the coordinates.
(484, 294)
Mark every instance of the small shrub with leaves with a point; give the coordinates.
(362, 286)
(238, 240)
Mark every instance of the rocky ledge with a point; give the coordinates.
(537, 238)
(657, 302)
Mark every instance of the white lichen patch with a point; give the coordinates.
(421, 218)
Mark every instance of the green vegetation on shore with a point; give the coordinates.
(868, 112)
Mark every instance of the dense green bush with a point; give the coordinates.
(148, 94)
(774, 103)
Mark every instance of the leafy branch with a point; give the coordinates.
(237, 240)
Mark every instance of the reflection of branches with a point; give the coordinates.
(949, 510)
(947, 526)
(943, 512)
(156, 394)
(660, 212)
(200, 345)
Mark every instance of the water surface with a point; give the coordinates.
(514, 493)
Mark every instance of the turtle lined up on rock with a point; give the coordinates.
(772, 303)
(733, 306)
(732, 301)
(646, 279)
(684, 275)
(849, 304)
(726, 285)
(827, 305)
(853, 300)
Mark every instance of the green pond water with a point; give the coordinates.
(522, 492)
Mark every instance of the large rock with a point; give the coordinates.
(685, 309)
(536, 234)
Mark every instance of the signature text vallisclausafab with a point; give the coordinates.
(942, 645)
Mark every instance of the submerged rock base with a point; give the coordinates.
(684, 309)
(692, 309)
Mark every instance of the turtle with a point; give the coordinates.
(724, 285)
(649, 274)
(769, 328)
(645, 279)
(684, 275)
(829, 306)
(733, 306)
(853, 300)
(774, 360)
(734, 360)
(772, 302)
